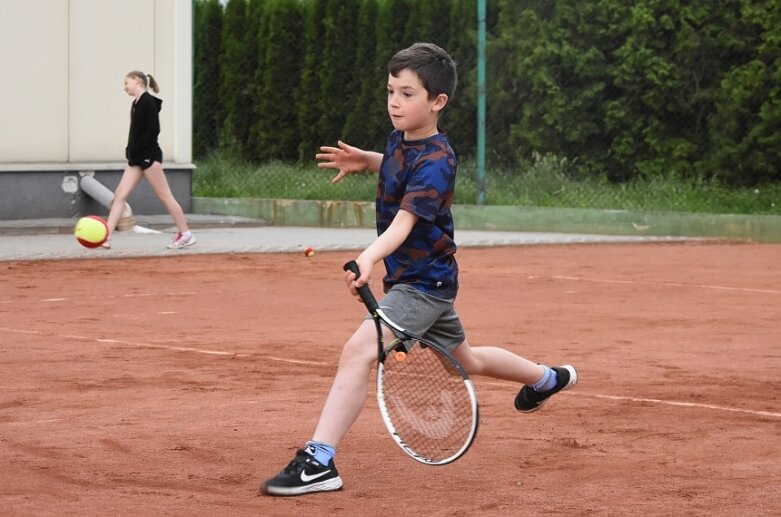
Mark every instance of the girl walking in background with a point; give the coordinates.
(145, 158)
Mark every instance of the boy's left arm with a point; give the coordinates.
(385, 244)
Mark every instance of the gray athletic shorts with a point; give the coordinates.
(425, 315)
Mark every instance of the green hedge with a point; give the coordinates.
(624, 90)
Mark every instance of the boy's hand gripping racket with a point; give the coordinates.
(426, 398)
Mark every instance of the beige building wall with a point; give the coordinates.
(34, 87)
(64, 63)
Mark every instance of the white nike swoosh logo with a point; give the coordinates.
(306, 478)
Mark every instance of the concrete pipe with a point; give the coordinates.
(103, 195)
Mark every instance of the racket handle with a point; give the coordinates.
(364, 292)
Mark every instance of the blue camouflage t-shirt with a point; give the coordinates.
(420, 177)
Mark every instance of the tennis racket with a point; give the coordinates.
(426, 399)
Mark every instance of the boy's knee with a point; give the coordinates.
(357, 349)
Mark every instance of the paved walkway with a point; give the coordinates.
(53, 239)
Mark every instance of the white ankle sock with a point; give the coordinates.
(548, 381)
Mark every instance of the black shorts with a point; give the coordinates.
(147, 160)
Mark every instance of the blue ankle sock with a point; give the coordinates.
(548, 381)
(322, 452)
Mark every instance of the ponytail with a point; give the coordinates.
(147, 80)
(153, 84)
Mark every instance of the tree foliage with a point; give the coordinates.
(280, 51)
(207, 116)
(625, 90)
(237, 62)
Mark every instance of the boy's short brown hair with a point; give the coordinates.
(433, 66)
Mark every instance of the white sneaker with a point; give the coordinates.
(182, 240)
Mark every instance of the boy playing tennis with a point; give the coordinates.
(415, 240)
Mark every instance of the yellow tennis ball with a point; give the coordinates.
(91, 231)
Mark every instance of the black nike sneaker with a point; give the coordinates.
(528, 400)
(303, 475)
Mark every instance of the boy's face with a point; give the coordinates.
(409, 107)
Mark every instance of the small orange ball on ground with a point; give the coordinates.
(309, 252)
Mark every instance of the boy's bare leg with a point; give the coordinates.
(539, 382)
(313, 468)
(348, 391)
(497, 363)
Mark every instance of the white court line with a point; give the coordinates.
(27, 422)
(108, 297)
(20, 331)
(669, 284)
(659, 401)
(166, 347)
(138, 295)
(296, 361)
(163, 347)
(677, 403)
(316, 363)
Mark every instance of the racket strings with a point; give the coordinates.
(428, 403)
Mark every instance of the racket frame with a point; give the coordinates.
(380, 319)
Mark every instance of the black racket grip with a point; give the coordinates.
(364, 292)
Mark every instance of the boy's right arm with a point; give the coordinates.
(348, 159)
(384, 245)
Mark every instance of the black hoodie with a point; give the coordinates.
(144, 128)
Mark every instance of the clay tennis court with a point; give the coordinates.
(172, 386)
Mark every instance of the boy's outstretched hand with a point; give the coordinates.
(346, 158)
